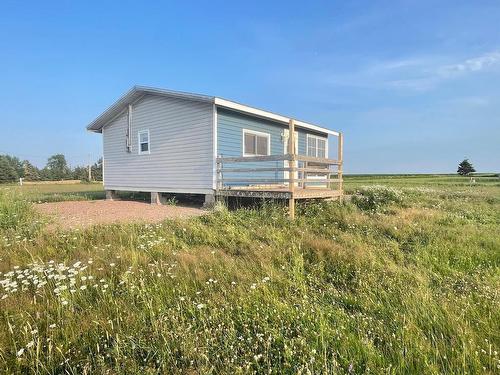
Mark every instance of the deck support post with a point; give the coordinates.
(209, 201)
(156, 198)
(111, 195)
(340, 170)
(292, 164)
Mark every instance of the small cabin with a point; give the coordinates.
(163, 141)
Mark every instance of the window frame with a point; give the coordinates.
(316, 138)
(140, 152)
(257, 134)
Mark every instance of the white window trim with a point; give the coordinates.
(139, 142)
(255, 132)
(309, 136)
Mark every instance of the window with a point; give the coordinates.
(143, 137)
(316, 146)
(256, 143)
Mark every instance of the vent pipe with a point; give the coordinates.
(129, 128)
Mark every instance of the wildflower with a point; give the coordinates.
(52, 326)
(83, 287)
(112, 264)
(20, 352)
(266, 279)
(64, 302)
(253, 286)
(30, 344)
(200, 306)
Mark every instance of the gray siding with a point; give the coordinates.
(181, 143)
(230, 127)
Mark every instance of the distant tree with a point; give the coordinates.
(57, 168)
(80, 173)
(97, 170)
(45, 174)
(7, 172)
(15, 163)
(30, 172)
(465, 168)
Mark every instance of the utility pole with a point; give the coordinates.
(90, 170)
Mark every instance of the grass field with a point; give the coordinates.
(404, 278)
(56, 192)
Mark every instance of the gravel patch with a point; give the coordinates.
(81, 214)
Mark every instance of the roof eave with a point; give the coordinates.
(224, 103)
(132, 95)
(137, 92)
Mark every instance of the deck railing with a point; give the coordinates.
(302, 172)
(300, 169)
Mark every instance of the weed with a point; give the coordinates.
(404, 280)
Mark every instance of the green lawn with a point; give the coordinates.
(404, 278)
(443, 181)
(56, 192)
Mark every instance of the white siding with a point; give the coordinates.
(181, 143)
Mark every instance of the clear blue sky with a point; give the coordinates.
(414, 85)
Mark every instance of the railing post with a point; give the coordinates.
(304, 174)
(219, 178)
(291, 163)
(340, 159)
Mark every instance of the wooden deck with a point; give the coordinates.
(278, 192)
(289, 176)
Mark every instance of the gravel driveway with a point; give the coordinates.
(73, 214)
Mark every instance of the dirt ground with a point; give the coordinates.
(80, 214)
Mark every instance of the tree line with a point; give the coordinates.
(12, 168)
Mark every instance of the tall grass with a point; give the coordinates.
(409, 287)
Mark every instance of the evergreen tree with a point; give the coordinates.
(30, 172)
(97, 170)
(15, 163)
(80, 173)
(465, 168)
(7, 172)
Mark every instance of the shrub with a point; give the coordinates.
(376, 198)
